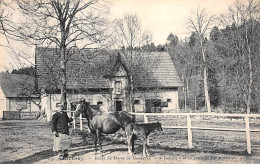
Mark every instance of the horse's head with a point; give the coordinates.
(159, 126)
(82, 107)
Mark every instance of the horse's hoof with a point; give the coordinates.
(131, 154)
(99, 152)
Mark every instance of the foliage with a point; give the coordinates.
(26, 70)
(232, 61)
(173, 39)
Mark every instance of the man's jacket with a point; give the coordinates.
(60, 122)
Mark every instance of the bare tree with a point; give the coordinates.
(201, 23)
(129, 38)
(65, 24)
(244, 18)
(4, 19)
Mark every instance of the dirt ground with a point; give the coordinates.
(31, 142)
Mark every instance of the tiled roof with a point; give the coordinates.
(86, 69)
(155, 69)
(15, 85)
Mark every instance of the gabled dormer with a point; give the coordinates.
(118, 68)
(118, 77)
(121, 72)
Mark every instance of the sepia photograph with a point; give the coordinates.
(129, 81)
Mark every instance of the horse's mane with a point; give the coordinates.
(93, 110)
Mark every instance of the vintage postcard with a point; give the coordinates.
(129, 82)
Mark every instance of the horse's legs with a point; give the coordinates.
(99, 139)
(133, 143)
(147, 152)
(144, 145)
(129, 135)
(129, 139)
(95, 141)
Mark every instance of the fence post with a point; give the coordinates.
(248, 138)
(80, 122)
(145, 119)
(74, 121)
(189, 132)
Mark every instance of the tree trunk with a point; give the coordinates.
(187, 88)
(205, 78)
(206, 89)
(195, 103)
(250, 83)
(185, 98)
(250, 74)
(63, 80)
(63, 68)
(131, 93)
(236, 106)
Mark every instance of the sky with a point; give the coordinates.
(160, 17)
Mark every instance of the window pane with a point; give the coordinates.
(118, 87)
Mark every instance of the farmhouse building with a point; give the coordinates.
(101, 78)
(16, 95)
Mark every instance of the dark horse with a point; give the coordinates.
(103, 122)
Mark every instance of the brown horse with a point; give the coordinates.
(132, 130)
(103, 122)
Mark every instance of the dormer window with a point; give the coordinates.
(99, 103)
(137, 102)
(118, 87)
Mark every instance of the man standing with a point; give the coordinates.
(60, 129)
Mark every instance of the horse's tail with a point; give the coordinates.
(133, 119)
(134, 137)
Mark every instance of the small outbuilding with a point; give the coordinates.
(17, 98)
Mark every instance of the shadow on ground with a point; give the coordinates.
(194, 150)
(33, 158)
(79, 150)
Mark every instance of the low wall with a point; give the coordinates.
(17, 115)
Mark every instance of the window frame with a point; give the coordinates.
(118, 87)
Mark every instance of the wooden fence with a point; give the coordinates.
(17, 115)
(189, 126)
